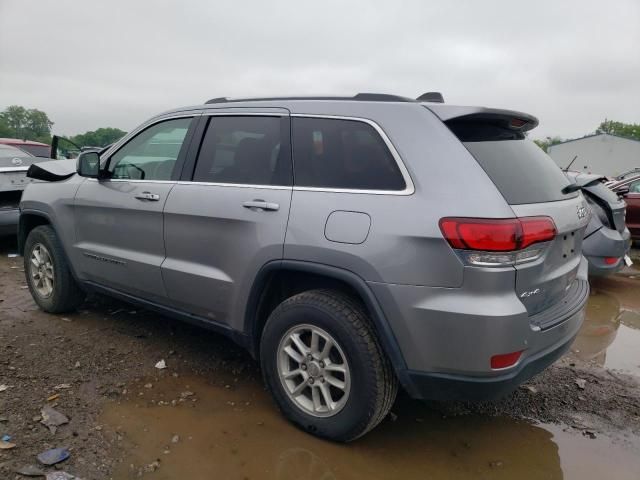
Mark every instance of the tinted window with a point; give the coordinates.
(152, 154)
(520, 169)
(244, 150)
(37, 150)
(346, 154)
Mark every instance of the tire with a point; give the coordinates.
(363, 396)
(65, 295)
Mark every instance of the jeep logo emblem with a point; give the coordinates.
(582, 211)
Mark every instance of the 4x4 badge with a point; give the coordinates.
(582, 211)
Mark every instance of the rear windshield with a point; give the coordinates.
(36, 150)
(518, 167)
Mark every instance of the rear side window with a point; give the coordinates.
(345, 154)
(244, 150)
(521, 171)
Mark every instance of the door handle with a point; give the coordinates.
(261, 204)
(148, 196)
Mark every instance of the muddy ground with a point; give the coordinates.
(207, 416)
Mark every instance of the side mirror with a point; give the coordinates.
(88, 164)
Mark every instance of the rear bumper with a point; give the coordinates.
(9, 221)
(603, 243)
(434, 386)
(447, 336)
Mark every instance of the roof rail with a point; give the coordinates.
(435, 97)
(365, 97)
(381, 97)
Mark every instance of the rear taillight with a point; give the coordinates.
(610, 260)
(498, 242)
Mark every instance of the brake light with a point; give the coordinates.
(610, 260)
(492, 242)
(497, 235)
(517, 123)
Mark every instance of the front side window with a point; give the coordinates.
(244, 150)
(152, 154)
(344, 154)
(634, 187)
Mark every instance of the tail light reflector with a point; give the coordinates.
(505, 360)
(611, 260)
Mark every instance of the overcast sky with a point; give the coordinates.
(92, 64)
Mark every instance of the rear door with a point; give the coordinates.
(119, 224)
(227, 217)
(532, 184)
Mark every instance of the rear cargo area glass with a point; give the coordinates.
(518, 167)
(521, 170)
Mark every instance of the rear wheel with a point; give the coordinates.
(324, 366)
(48, 274)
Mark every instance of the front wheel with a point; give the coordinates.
(324, 366)
(48, 274)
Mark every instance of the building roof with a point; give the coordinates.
(593, 135)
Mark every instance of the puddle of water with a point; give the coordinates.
(238, 434)
(610, 335)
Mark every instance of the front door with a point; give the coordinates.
(119, 224)
(228, 217)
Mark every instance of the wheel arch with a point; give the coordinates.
(30, 219)
(261, 302)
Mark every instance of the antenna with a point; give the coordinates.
(566, 169)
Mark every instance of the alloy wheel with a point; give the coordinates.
(313, 370)
(41, 270)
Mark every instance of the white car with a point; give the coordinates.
(14, 164)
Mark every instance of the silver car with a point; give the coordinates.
(607, 240)
(329, 237)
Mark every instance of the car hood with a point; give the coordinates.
(53, 170)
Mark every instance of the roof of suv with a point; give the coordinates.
(431, 100)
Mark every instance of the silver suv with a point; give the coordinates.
(350, 244)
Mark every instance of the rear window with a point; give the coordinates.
(522, 171)
(37, 150)
(344, 154)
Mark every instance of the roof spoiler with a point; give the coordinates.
(510, 118)
(434, 97)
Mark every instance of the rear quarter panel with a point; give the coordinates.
(404, 244)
